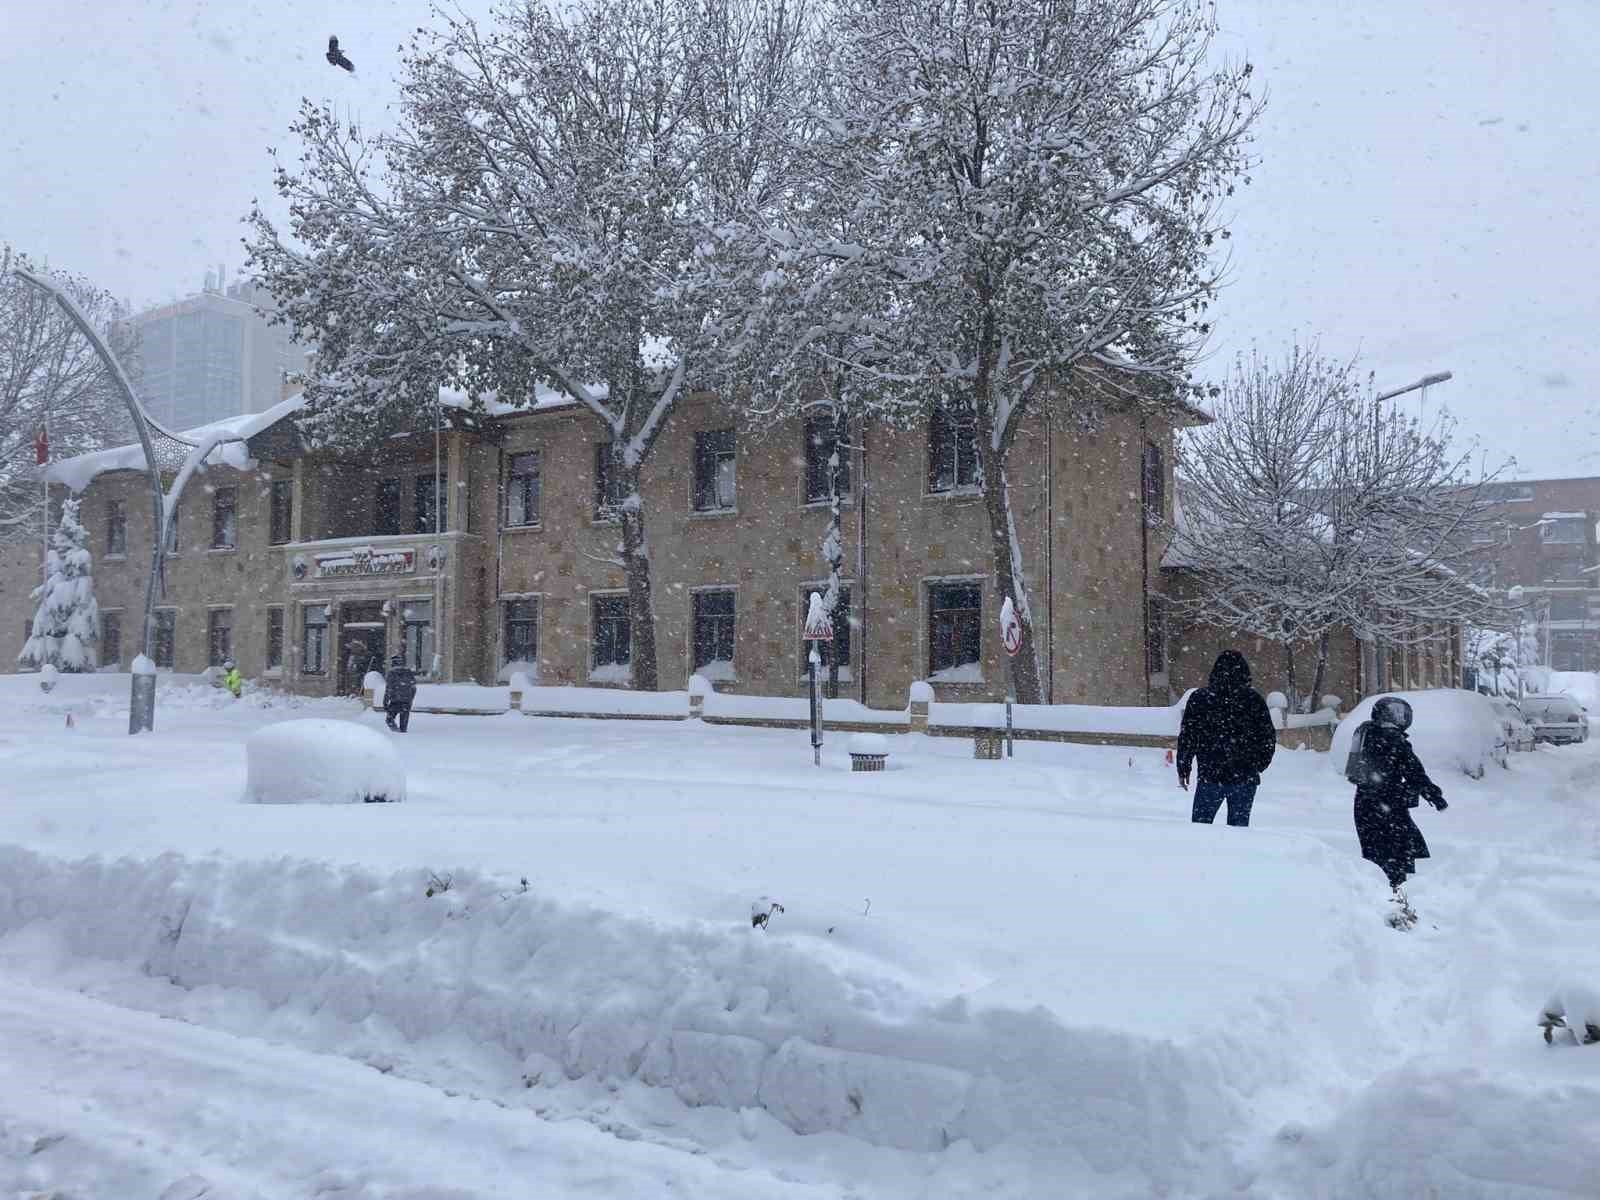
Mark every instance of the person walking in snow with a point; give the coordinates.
(1227, 727)
(399, 690)
(231, 679)
(1390, 781)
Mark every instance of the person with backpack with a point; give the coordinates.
(1227, 727)
(399, 690)
(1390, 781)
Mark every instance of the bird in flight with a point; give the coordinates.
(336, 56)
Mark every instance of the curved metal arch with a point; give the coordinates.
(141, 713)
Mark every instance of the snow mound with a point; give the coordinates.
(921, 692)
(318, 761)
(718, 1014)
(869, 743)
(1451, 730)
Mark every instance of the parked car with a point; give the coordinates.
(1518, 729)
(1559, 720)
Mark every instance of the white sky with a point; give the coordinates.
(1428, 191)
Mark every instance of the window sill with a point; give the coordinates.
(702, 514)
(960, 493)
(845, 501)
(536, 527)
(222, 550)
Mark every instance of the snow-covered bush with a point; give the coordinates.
(1451, 730)
(66, 626)
(318, 761)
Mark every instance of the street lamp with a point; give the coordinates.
(1422, 385)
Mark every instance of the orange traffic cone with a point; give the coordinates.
(1169, 756)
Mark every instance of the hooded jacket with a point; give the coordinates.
(1226, 726)
(399, 685)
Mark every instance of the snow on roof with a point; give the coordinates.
(78, 471)
(1562, 516)
(543, 397)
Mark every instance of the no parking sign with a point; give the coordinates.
(1010, 628)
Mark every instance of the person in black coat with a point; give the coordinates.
(1226, 726)
(1393, 783)
(399, 690)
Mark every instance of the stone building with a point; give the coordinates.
(491, 548)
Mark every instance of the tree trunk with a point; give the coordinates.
(1320, 677)
(1291, 684)
(833, 552)
(1009, 581)
(636, 562)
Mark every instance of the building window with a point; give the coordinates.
(714, 470)
(1565, 531)
(274, 639)
(164, 638)
(521, 644)
(952, 451)
(1565, 570)
(955, 612)
(110, 639)
(713, 634)
(1155, 637)
(224, 518)
(416, 635)
(837, 650)
(219, 636)
(430, 492)
(314, 655)
(386, 508)
(522, 489)
(608, 495)
(612, 650)
(116, 527)
(1154, 469)
(821, 443)
(282, 511)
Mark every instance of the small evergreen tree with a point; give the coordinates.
(66, 627)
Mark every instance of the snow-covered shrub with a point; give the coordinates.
(1451, 730)
(66, 626)
(319, 761)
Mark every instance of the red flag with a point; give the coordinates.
(41, 449)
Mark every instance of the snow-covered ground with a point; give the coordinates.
(1022, 978)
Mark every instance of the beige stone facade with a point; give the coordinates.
(309, 598)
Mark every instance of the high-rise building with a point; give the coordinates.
(213, 355)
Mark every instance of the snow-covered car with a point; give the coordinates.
(1451, 730)
(1517, 728)
(1559, 720)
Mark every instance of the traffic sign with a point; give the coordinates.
(1010, 628)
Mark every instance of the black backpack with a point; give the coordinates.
(1359, 768)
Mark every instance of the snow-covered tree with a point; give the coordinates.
(66, 626)
(51, 380)
(536, 220)
(1002, 196)
(1307, 506)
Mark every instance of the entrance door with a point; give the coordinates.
(360, 650)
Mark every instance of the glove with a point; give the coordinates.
(1437, 800)
(1183, 780)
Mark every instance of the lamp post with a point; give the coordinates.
(1422, 385)
(142, 700)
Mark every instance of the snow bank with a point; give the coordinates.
(461, 697)
(787, 708)
(1451, 730)
(1063, 718)
(318, 761)
(604, 702)
(721, 1015)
